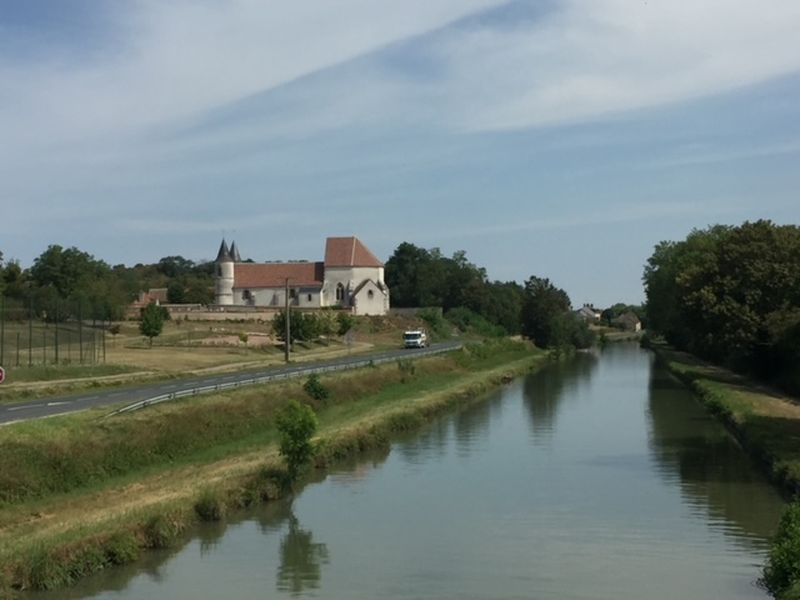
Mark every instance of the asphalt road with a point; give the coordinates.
(59, 405)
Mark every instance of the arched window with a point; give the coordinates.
(339, 292)
(370, 294)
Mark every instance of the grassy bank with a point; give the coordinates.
(80, 494)
(766, 422)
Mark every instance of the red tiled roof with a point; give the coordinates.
(273, 275)
(349, 252)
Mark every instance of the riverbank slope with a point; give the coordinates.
(86, 493)
(766, 422)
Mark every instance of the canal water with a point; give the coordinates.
(598, 478)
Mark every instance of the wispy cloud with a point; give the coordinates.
(593, 59)
(176, 60)
(615, 214)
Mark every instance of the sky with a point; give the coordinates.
(556, 138)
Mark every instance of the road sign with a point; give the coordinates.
(2, 375)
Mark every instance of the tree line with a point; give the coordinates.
(537, 309)
(65, 283)
(731, 295)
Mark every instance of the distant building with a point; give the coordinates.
(588, 313)
(628, 321)
(157, 295)
(349, 277)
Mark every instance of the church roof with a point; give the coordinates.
(224, 254)
(234, 252)
(349, 252)
(273, 275)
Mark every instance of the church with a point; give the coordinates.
(349, 277)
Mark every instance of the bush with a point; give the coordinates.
(314, 388)
(467, 320)
(407, 369)
(122, 548)
(161, 531)
(435, 321)
(782, 571)
(346, 322)
(210, 506)
(296, 423)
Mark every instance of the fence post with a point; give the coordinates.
(80, 332)
(56, 324)
(30, 331)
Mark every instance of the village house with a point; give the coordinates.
(628, 322)
(588, 313)
(349, 277)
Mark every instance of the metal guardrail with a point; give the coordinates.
(218, 387)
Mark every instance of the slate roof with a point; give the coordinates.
(273, 275)
(224, 254)
(234, 252)
(349, 252)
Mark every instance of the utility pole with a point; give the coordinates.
(30, 331)
(2, 327)
(288, 331)
(55, 318)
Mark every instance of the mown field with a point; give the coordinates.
(184, 348)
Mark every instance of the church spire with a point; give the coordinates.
(234, 252)
(224, 254)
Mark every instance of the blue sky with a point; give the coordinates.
(557, 138)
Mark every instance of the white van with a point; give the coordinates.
(415, 338)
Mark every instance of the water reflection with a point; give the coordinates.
(209, 537)
(545, 390)
(691, 448)
(471, 427)
(301, 560)
(417, 447)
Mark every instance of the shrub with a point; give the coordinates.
(161, 531)
(210, 506)
(467, 320)
(435, 321)
(122, 548)
(782, 571)
(296, 423)
(315, 389)
(407, 369)
(346, 322)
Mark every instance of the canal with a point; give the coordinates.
(597, 478)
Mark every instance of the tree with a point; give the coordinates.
(175, 292)
(303, 326)
(175, 266)
(296, 424)
(152, 322)
(344, 323)
(543, 304)
(731, 295)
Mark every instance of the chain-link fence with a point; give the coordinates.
(48, 330)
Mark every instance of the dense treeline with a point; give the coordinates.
(418, 277)
(732, 295)
(69, 283)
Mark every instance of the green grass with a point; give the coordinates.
(766, 422)
(51, 456)
(66, 459)
(63, 371)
